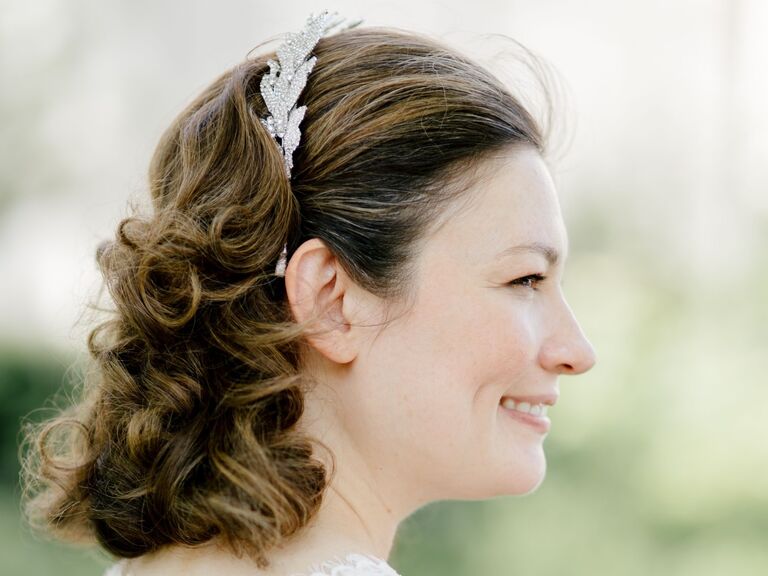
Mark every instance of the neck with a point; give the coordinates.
(355, 516)
(364, 501)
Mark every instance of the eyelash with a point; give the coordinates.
(535, 278)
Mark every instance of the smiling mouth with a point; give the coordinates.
(538, 409)
(531, 410)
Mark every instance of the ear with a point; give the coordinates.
(317, 287)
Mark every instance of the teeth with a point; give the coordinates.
(526, 407)
(508, 403)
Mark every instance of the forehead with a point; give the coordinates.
(513, 201)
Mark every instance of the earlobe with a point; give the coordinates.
(316, 288)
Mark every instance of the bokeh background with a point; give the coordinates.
(658, 457)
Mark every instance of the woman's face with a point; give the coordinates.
(422, 401)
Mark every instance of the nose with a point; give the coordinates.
(567, 350)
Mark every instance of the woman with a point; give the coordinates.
(312, 340)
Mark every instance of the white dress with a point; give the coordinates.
(353, 564)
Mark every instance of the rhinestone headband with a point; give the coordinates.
(283, 85)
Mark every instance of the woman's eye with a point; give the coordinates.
(530, 281)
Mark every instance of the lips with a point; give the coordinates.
(533, 415)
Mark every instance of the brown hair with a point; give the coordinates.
(187, 426)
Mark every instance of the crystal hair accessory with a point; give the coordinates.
(281, 87)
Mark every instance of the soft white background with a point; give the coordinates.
(666, 102)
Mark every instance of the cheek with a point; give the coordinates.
(444, 368)
(497, 346)
(468, 356)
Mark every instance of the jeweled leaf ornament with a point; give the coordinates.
(282, 86)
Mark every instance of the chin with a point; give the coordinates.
(532, 486)
(514, 479)
(524, 476)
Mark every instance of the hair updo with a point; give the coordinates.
(187, 425)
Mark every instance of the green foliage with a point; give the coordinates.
(29, 383)
(25, 553)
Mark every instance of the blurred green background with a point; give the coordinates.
(657, 458)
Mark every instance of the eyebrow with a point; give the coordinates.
(550, 253)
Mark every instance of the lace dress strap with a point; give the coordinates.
(115, 570)
(353, 564)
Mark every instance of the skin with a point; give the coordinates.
(411, 409)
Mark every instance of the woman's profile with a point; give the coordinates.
(344, 304)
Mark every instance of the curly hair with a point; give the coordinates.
(186, 428)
